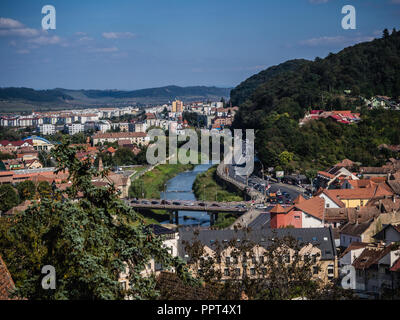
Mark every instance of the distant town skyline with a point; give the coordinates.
(130, 45)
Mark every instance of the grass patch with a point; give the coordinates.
(206, 188)
(152, 183)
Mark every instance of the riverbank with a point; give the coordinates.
(151, 184)
(208, 187)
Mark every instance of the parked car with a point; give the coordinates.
(134, 201)
(176, 203)
(154, 202)
(201, 204)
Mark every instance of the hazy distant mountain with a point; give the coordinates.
(22, 99)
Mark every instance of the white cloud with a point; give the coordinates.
(23, 51)
(22, 32)
(10, 27)
(118, 35)
(105, 50)
(85, 39)
(44, 40)
(8, 23)
(318, 1)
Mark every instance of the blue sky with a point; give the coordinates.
(134, 44)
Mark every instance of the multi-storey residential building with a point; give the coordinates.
(103, 126)
(177, 106)
(138, 138)
(75, 128)
(140, 127)
(318, 243)
(47, 129)
(88, 117)
(170, 242)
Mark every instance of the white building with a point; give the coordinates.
(47, 129)
(75, 128)
(104, 126)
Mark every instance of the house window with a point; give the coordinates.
(253, 259)
(252, 271)
(123, 285)
(237, 271)
(327, 205)
(226, 272)
(330, 269)
(228, 260)
(235, 260)
(315, 270)
(314, 258)
(287, 258)
(261, 258)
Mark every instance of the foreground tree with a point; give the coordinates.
(8, 197)
(89, 242)
(26, 190)
(285, 271)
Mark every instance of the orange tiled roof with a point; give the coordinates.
(278, 209)
(359, 193)
(326, 174)
(314, 206)
(299, 199)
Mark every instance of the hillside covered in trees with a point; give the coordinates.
(274, 107)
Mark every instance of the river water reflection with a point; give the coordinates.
(180, 188)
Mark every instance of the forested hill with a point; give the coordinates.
(274, 107)
(244, 90)
(26, 99)
(28, 94)
(369, 68)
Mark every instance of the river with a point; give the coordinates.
(180, 188)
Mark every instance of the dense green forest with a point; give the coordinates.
(244, 90)
(274, 108)
(59, 94)
(170, 92)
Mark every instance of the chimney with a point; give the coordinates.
(394, 198)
